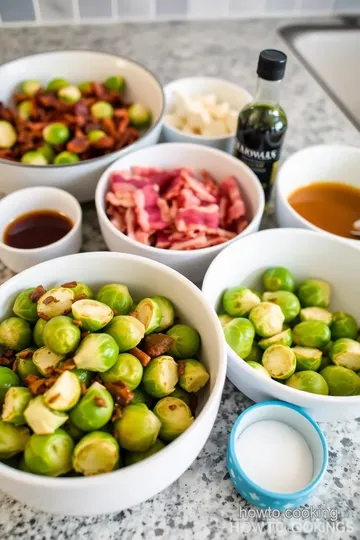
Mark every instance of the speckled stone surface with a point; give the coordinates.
(203, 504)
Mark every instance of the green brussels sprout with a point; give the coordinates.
(56, 84)
(26, 367)
(325, 362)
(92, 314)
(341, 381)
(13, 439)
(140, 396)
(47, 150)
(15, 334)
(135, 457)
(279, 361)
(175, 417)
(95, 135)
(238, 301)
(16, 400)
(38, 332)
(307, 358)
(137, 429)
(94, 409)
(61, 335)
(194, 376)
(34, 157)
(69, 94)
(66, 157)
(80, 289)
(75, 433)
(85, 87)
(346, 352)
(127, 369)
(328, 347)
(83, 375)
(116, 296)
(127, 331)
(30, 87)
(41, 419)
(259, 367)
(239, 335)
(8, 378)
(181, 394)
(316, 314)
(101, 110)
(282, 338)
(49, 455)
(167, 312)
(309, 381)
(24, 110)
(314, 293)
(160, 376)
(139, 116)
(96, 453)
(56, 133)
(267, 319)
(287, 301)
(186, 341)
(8, 135)
(97, 352)
(314, 334)
(115, 82)
(64, 394)
(343, 326)
(45, 359)
(60, 303)
(224, 319)
(148, 312)
(255, 353)
(278, 278)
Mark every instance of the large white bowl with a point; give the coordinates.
(131, 485)
(322, 163)
(77, 66)
(306, 254)
(192, 264)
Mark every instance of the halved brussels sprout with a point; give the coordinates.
(127, 369)
(260, 368)
(8, 134)
(8, 378)
(307, 358)
(64, 394)
(95, 135)
(279, 361)
(314, 293)
(96, 453)
(75, 433)
(56, 133)
(24, 307)
(181, 394)
(346, 352)
(127, 331)
(116, 296)
(309, 381)
(148, 312)
(65, 157)
(160, 376)
(44, 359)
(30, 87)
(137, 429)
(175, 417)
(239, 335)
(34, 157)
(24, 110)
(94, 409)
(85, 87)
(224, 319)
(316, 314)
(56, 84)
(69, 94)
(278, 279)
(41, 419)
(83, 375)
(287, 301)
(140, 396)
(267, 319)
(101, 110)
(194, 375)
(61, 335)
(97, 352)
(343, 326)
(55, 302)
(47, 150)
(167, 312)
(341, 381)
(15, 333)
(186, 341)
(80, 289)
(139, 116)
(92, 314)
(325, 362)
(314, 334)
(115, 82)
(49, 455)
(13, 439)
(16, 400)
(282, 338)
(255, 353)
(26, 367)
(135, 457)
(38, 332)
(238, 301)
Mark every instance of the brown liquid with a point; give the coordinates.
(37, 229)
(330, 206)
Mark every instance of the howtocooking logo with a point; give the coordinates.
(267, 155)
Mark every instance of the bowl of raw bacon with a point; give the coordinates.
(179, 204)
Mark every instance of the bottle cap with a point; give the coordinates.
(271, 65)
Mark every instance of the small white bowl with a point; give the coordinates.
(224, 90)
(192, 264)
(323, 163)
(39, 198)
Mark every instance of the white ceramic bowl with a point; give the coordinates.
(306, 254)
(192, 264)
(322, 163)
(39, 198)
(131, 485)
(77, 66)
(224, 90)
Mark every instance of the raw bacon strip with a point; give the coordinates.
(162, 240)
(142, 237)
(201, 218)
(124, 187)
(174, 188)
(210, 184)
(186, 199)
(223, 206)
(241, 224)
(173, 210)
(197, 187)
(180, 236)
(221, 232)
(119, 177)
(194, 243)
(164, 210)
(130, 222)
(145, 171)
(237, 209)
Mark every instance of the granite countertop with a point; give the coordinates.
(203, 503)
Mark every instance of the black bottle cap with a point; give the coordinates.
(271, 65)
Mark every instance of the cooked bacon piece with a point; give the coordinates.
(98, 89)
(141, 355)
(27, 353)
(157, 344)
(198, 188)
(117, 414)
(8, 362)
(181, 367)
(99, 402)
(35, 295)
(49, 300)
(230, 188)
(38, 385)
(78, 145)
(187, 199)
(200, 218)
(198, 242)
(120, 392)
(104, 143)
(70, 285)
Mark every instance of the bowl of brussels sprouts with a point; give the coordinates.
(111, 373)
(288, 302)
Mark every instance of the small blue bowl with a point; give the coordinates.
(301, 422)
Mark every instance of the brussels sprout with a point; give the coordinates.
(181, 394)
(328, 347)
(283, 338)
(139, 116)
(309, 381)
(56, 84)
(341, 381)
(8, 378)
(287, 301)
(115, 82)
(307, 358)
(314, 292)
(38, 332)
(15, 334)
(279, 361)
(13, 439)
(41, 419)
(316, 314)
(160, 376)
(80, 289)
(167, 312)
(92, 314)
(255, 353)
(64, 394)
(194, 375)
(325, 362)
(127, 331)
(314, 334)
(26, 367)
(55, 302)
(148, 312)
(127, 369)
(16, 400)
(278, 278)
(56, 133)
(101, 110)
(224, 319)
(135, 457)
(45, 359)
(137, 429)
(49, 455)
(69, 94)
(96, 134)
(66, 157)
(47, 150)
(116, 296)
(175, 417)
(85, 87)
(239, 335)
(186, 341)
(24, 110)
(8, 134)
(61, 335)
(75, 433)
(96, 453)
(238, 301)
(140, 396)
(30, 87)
(94, 409)
(34, 157)
(267, 319)
(83, 375)
(343, 326)
(97, 352)
(346, 352)
(259, 367)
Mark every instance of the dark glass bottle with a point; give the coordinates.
(262, 123)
